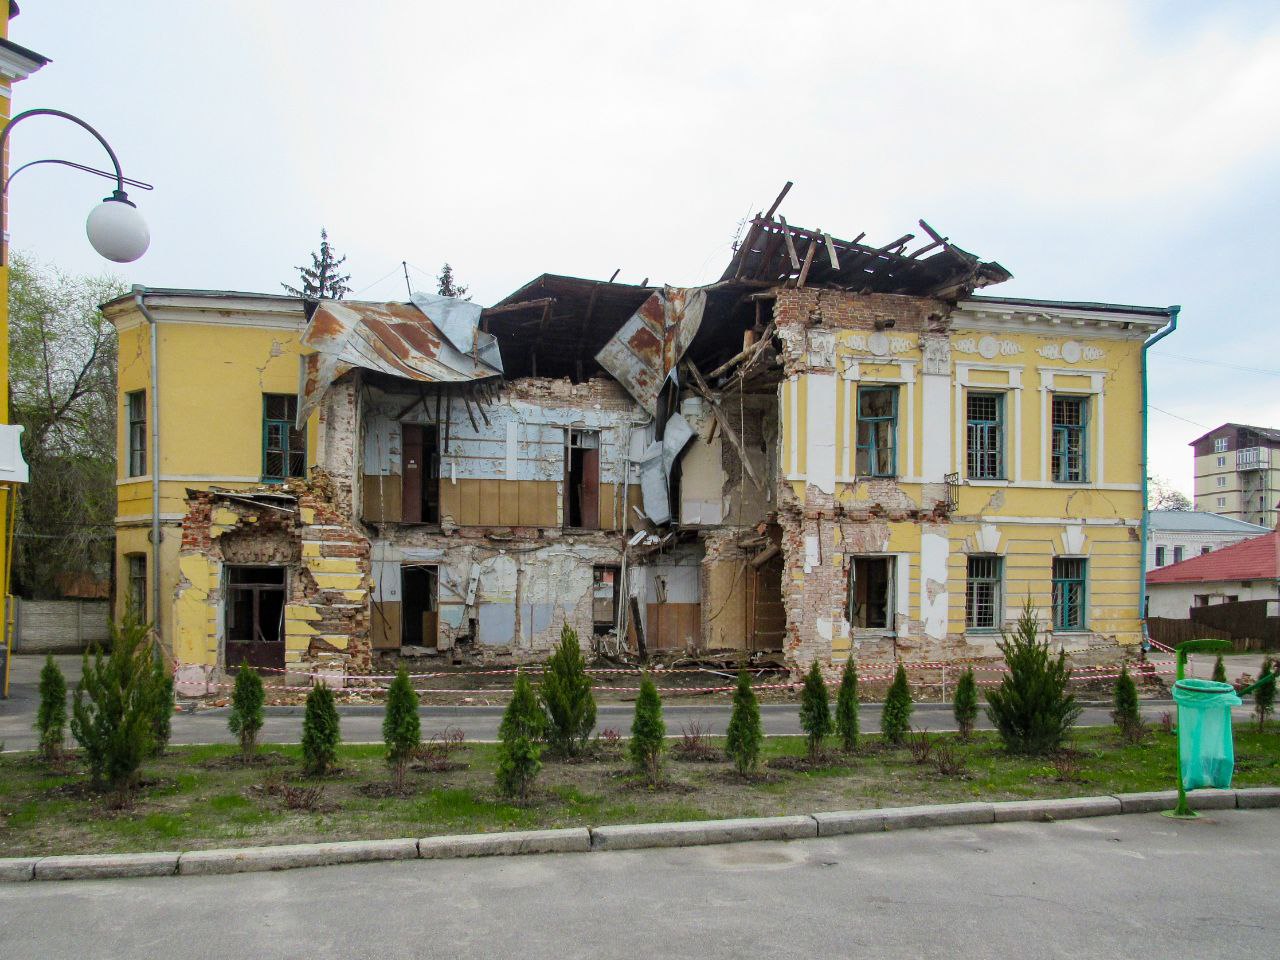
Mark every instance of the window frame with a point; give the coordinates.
(135, 407)
(289, 433)
(870, 448)
(1064, 578)
(995, 430)
(1160, 555)
(851, 608)
(1220, 444)
(996, 581)
(1062, 433)
(1178, 554)
(136, 578)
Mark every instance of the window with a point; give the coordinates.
(877, 431)
(1159, 556)
(1068, 593)
(1070, 449)
(284, 448)
(1220, 445)
(1177, 554)
(582, 480)
(1222, 461)
(1204, 550)
(1200, 600)
(986, 436)
(254, 611)
(1222, 481)
(604, 599)
(1222, 501)
(1262, 503)
(982, 594)
(871, 593)
(137, 403)
(136, 598)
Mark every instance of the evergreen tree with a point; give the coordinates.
(321, 280)
(111, 715)
(648, 732)
(895, 718)
(448, 286)
(566, 696)
(401, 727)
(246, 717)
(1264, 698)
(51, 717)
(965, 704)
(847, 707)
(745, 735)
(815, 710)
(519, 755)
(1220, 670)
(1125, 700)
(161, 704)
(1031, 708)
(320, 732)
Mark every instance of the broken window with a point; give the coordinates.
(1068, 593)
(877, 431)
(255, 601)
(604, 598)
(982, 594)
(284, 447)
(419, 605)
(420, 484)
(1070, 433)
(871, 592)
(986, 436)
(136, 598)
(137, 401)
(582, 480)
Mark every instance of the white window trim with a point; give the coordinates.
(1097, 423)
(906, 439)
(1012, 417)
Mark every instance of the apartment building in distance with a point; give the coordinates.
(1237, 473)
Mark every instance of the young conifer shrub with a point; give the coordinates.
(895, 719)
(1220, 670)
(51, 717)
(847, 707)
(1125, 714)
(320, 732)
(246, 716)
(161, 705)
(1031, 708)
(815, 710)
(1264, 698)
(401, 727)
(745, 735)
(566, 696)
(519, 753)
(648, 732)
(964, 704)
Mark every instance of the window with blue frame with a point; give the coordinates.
(1068, 593)
(284, 448)
(1070, 439)
(877, 432)
(982, 592)
(986, 436)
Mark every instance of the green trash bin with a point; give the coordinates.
(1205, 749)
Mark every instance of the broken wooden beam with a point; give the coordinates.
(700, 387)
(522, 305)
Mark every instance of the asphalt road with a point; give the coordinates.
(1112, 887)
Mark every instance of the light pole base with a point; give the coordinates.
(1180, 814)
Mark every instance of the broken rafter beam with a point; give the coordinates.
(700, 387)
(514, 307)
(786, 188)
(808, 262)
(791, 244)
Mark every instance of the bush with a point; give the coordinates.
(920, 745)
(895, 719)
(694, 742)
(947, 760)
(1264, 698)
(246, 717)
(401, 728)
(51, 717)
(965, 704)
(565, 692)
(111, 716)
(161, 704)
(320, 732)
(647, 732)
(847, 707)
(745, 735)
(1220, 670)
(815, 710)
(1031, 708)
(1125, 700)
(522, 726)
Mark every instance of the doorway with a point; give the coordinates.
(254, 611)
(419, 606)
(420, 488)
(582, 480)
(871, 592)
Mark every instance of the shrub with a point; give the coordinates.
(920, 745)
(401, 728)
(895, 720)
(436, 753)
(51, 717)
(1166, 722)
(1125, 700)
(694, 742)
(519, 754)
(161, 704)
(1220, 670)
(1066, 766)
(320, 731)
(947, 760)
(815, 710)
(1031, 708)
(1264, 698)
(965, 704)
(847, 707)
(246, 717)
(647, 732)
(745, 735)
(565, 692)
(111, 716)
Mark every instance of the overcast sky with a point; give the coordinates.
(1124, 152)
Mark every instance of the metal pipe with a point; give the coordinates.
(139, 293)
(1142, 579)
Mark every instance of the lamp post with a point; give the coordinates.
(118, 233)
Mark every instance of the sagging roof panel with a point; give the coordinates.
(645, 352)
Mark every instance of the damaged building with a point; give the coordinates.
(837, 446)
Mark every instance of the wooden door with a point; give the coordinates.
(411, 470)
(589, 496)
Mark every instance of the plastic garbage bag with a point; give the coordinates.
(1205, 747)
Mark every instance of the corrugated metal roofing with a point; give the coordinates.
(1200, 521)
(1256, 559)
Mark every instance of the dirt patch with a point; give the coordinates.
(823, 761)
(237, 762)
(386, 789)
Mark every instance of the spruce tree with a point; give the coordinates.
(161, 705)
(895, 718)
(321, 280)
(1264, 698)
(51, 717)
(519, 757)
(1031, 708)
(745, 735)
(401, 727)
(1125, 714)
(965, 704)
(447, 284)
(246, 716)
(847, 707)
(648, 732)
(566, 696)
(815, 710)
(1219, 670)
(320, 732)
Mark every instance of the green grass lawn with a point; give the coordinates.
(198, 797)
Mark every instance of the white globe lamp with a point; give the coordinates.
(116, 229)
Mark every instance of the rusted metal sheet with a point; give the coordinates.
(645, 352)
(399, 339)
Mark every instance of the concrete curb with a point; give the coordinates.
(627, 836)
